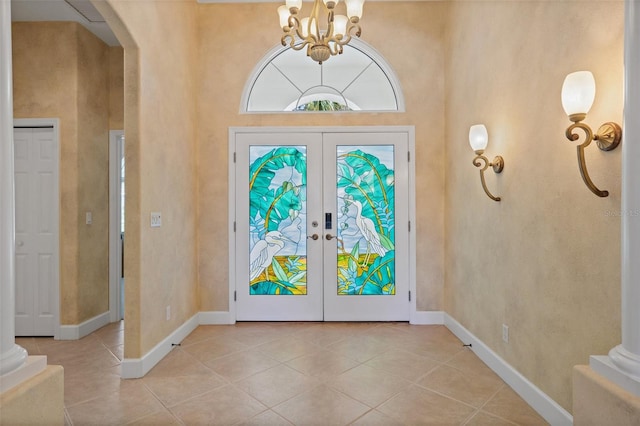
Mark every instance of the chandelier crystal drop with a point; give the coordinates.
(321, 40)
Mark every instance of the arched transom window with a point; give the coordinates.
(358, 80)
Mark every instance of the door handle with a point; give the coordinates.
(313, 237)
(329, 237)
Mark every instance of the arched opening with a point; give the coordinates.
(358, 80)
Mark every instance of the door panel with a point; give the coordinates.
(36, 229)
(366, 264)
(317, 235)
(276, 279)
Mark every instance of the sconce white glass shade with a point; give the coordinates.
(283, 13)
(578, 92)
(294, 3)
(478, 137)
(354, 8)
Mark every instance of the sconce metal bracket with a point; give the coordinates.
(497, 165)
(607, 138)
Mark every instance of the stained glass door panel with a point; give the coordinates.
(366, 225)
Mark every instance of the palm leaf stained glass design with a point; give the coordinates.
(366, 224)
(277, 220)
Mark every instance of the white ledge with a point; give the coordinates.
(604, 366)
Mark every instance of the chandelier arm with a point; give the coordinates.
(350, 33)
(329, 35)
(335, 47)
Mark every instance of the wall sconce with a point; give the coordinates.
(478, 139)
(578, 93)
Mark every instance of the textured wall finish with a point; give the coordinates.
(45, 82)
(93, 175)
(61, 70)
(413, 46)
(597, 401)
(546, 260)
(116, 88)
(159, 40)
(37, 401)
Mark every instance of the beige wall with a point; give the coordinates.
(38, 400)
(116, 88)
(59, 71)
(159, 40)
(414, 48)
(545, 260)
(93, 175)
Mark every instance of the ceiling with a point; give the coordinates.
(81, 11)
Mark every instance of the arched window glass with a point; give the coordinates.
(288, 81)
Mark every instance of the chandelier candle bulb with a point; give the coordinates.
(283, 12)
(354, 9)
(294, 4)
(340, 25)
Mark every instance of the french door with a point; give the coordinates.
(322, 226)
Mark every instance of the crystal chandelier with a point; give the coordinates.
(321, 41)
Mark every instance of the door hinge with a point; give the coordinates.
(409, 226)
(234, 226)
(235, 296)
(234, 157)
(408, 156)
(409, 295)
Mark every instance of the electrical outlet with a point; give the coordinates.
(88, 218)
(505, 333)
(168, 312)
(156, 219)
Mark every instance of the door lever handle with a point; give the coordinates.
(313, 237)
(329, 237)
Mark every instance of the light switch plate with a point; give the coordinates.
(88, 218)
(156, 219)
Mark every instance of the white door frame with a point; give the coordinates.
(115, 247)
(233, 131)
(55, 124)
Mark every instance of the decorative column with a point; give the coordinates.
(622, 366)
(12, 356)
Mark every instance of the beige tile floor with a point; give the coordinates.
(287, 373)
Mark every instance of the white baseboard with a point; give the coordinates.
(427, 318)
(215, 318)
(133, 368)
(75, 332)
(550, 410)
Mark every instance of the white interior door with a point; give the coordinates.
(36, 186)
(322, 226)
